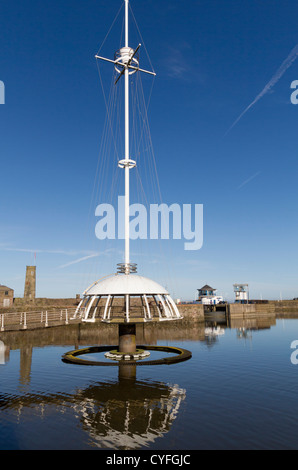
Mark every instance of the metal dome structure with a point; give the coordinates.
(127, 298)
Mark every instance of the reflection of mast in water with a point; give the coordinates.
(129, 414)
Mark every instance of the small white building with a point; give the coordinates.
(207, 296)
(241, 293)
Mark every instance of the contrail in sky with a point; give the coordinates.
(248, 180)
(79, 260)
(282, 69)
(84, 258)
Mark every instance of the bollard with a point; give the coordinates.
(66, 317)
(2, 322)
(46, 322)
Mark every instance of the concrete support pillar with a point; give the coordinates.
(127, 338)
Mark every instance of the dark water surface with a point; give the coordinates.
(239, 390)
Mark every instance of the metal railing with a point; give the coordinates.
(10, 321)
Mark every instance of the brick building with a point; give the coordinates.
(6, 296)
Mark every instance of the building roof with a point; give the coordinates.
(121, 284)
(4, 288)
(206, 287)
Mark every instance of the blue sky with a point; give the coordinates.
(212, 59)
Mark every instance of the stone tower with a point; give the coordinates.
(30, 283)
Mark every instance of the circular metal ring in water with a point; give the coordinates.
(181, 355)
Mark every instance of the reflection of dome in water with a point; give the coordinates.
(127, 298)
(127, 414)
(122, 416)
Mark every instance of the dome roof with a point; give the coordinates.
(121, 284)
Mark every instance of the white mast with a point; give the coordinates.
(126, 63)
(126, 258)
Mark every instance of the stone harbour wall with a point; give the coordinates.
(192, 312)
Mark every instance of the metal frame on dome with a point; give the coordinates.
(106, 300)
(126, 297)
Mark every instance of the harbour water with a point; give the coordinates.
(238, 391)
